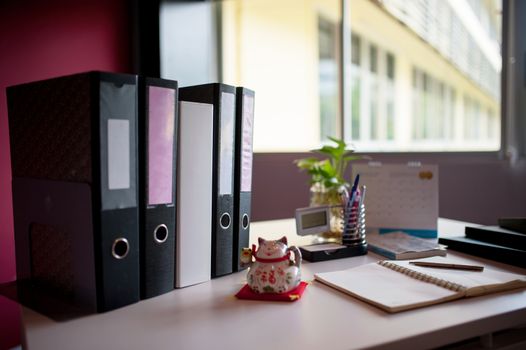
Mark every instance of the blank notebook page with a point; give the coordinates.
(385, 288)
(415, 286)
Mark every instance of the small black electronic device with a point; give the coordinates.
(313, 220)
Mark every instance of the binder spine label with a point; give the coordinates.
(118, 145)
(161, 114)
(246, 145)
(226, 143)
(118, 154)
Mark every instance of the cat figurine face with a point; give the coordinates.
(272, 249)
(273, 271)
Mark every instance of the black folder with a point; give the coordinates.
(486, 250)
(243, 172)
(158, 123)
(497, 235)
(223, 98)
(74, 165)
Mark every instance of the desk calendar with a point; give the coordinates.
(400, 197)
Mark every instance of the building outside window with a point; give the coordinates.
(422, 75)
(433, 51)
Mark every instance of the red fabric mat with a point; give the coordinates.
(293, 295)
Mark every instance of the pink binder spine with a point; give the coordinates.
(246, 145)
(161, 114)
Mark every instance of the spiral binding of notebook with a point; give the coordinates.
(423, 277)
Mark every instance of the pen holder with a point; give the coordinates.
(354, 226)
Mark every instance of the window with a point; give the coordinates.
(355, 86)
(289, 53)
(372, 92)
(328, 77)
(422, 55)
(423, 50)
(433, 112)
(421, 75)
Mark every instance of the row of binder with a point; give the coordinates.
(125, 187)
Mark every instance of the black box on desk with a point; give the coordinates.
(74, 165)
(330, 251)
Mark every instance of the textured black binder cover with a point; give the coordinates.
(490, 251)
(157, 252)
(497, 235)
(242, 199)
(61, 131)
(223, 206)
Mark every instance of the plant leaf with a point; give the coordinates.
(340, 143)
(329, 172)
(306, 163)
(331, 151)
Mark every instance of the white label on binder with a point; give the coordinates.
(226, 142)
(118, 154)
(246, 146)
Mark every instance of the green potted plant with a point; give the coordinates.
(327, 182)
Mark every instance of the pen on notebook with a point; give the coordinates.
(447, 265)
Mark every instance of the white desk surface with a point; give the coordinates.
(208, 316)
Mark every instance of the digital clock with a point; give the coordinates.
(312, 220)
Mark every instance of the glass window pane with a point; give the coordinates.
(390, 66)
(328, 77)
(288, 53)
(423, 75)
(421, 55)
(355, 49)
(373, 59)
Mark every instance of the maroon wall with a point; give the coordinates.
(38, 40)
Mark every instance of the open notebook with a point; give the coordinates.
(397, 286)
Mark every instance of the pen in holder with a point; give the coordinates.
(354, 220)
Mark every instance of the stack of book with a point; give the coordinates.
(504, 243)
(400, 246)
(125, 187)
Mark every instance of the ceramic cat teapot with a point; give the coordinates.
(271, 269)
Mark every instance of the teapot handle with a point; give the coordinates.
(297, 256)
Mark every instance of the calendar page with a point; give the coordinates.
(400, 197)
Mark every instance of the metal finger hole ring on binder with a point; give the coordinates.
(120, 248)
(225, 221)
(245, 221)
(160, 234)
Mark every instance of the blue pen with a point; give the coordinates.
(351, 200)
(355, 185)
